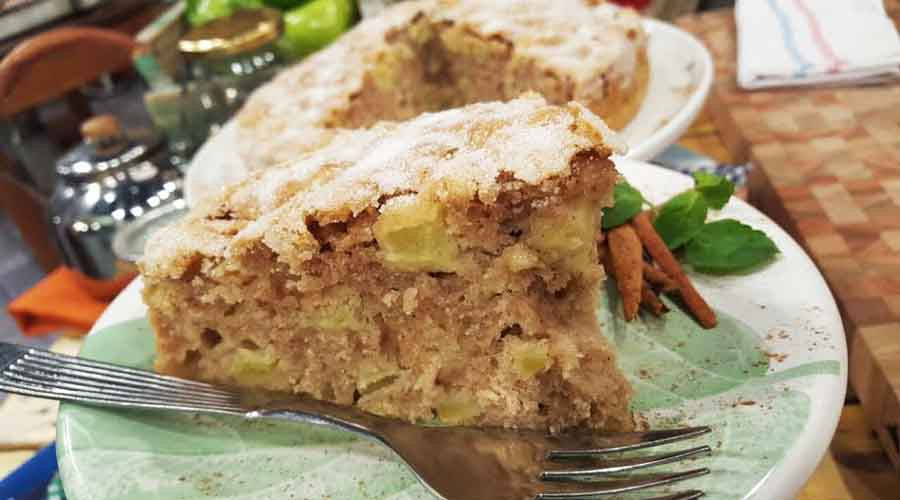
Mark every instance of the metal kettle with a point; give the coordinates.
(112, 177)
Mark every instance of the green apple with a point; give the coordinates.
(314, 25)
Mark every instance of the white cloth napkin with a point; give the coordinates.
(815, 42)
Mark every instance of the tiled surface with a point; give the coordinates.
(828, 170)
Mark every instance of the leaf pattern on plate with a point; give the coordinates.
(670, 359)
(684, 375)
(681, 374)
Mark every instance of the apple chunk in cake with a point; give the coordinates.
(441, 269)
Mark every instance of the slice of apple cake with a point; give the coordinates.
(440, 269)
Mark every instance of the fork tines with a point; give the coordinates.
(40, 373)
(604, 486)
(604, 476)
(623, 465)
(630, 441)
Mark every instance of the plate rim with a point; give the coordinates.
(785, 478)
(669, 133)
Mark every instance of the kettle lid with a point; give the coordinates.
(105, 147)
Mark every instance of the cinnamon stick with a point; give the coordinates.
(651, 301)
(627, 256)
(657, 249)
(659, 278)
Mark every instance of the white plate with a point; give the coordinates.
(681, 74)
(769, 429)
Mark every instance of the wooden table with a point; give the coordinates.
(856, 467)
(828, 171)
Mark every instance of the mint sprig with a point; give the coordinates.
(728, 246)
(680, 218)
(715, 189)
(627, 203)
(721, 247)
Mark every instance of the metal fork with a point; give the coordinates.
(454, 463)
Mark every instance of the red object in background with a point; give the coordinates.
(634, 4)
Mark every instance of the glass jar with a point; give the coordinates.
(229, 57)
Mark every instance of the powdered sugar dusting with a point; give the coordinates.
(571, 36)
(455, 155)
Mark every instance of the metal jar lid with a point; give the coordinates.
(243, 31)
(106, 148)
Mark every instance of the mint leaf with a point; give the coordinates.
(627, 203)
(728, 246)
(680, 218)
(714, 188)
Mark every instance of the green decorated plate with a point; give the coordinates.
(770, 381)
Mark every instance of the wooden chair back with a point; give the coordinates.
(48, 66)
(58, 61)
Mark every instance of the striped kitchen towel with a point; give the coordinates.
(815, 42)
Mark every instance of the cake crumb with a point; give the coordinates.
(410, 300)
(390, 298)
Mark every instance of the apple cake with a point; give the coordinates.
(439, 269)
(432, 55)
